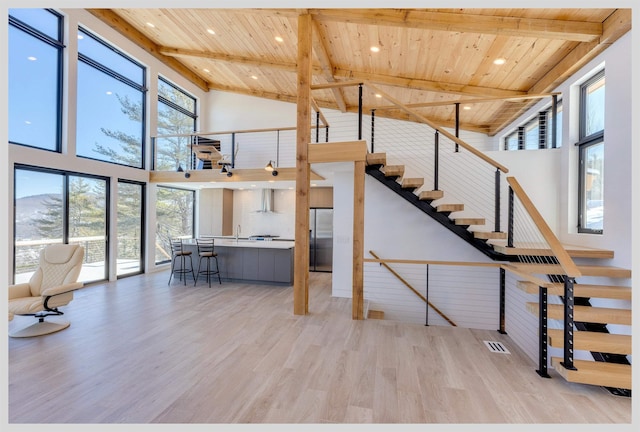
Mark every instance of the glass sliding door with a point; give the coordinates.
(59, 207)
(130, 228)
(87, 219)
(39, 217)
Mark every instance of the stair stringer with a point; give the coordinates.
(441, 217)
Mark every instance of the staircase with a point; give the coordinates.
(610, 367)
(392, 177)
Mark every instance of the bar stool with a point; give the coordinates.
(205, 251)
(178, 251)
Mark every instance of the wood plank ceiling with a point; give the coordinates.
(426, 57)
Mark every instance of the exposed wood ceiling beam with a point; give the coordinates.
(123, 27)
(395, 115)
(614, 27)
(420, 84)
(412, 83)
(466, 101)
(261, 94)
(280, 65)
(325, 64)
(469, 23)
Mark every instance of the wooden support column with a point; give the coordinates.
(303, 168)
(357, 308)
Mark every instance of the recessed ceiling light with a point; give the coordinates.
(27, 122)
(279, 39)
(80, 36)
(32, 58)
(466, 107)
(375, 49)
(109, 92)
(206, 70)
(499, 61)
(253, 185)
(378, 95)
(151, 25)
(211, 31)
(313, 184)
(254, 77)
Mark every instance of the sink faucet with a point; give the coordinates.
(237, 232)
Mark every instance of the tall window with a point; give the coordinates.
(130, 228)
(175, 215)
(59, 207)
(591, 155)
(35, 74)
(176, 116)
(111, 103)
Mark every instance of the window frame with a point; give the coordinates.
(143, 88)
(60, 46)
(585, 142)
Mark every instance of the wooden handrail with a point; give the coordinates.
(558, 250)
(452, 137)
(233, 131)
(408, 285)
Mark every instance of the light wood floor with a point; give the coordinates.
(140, 351)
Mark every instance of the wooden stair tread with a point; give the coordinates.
(487, 235)
(412, 183)
(393, 170)
(544, 250)
(580, 290)
(593, 341)
(595, 373)
(430, 195)
(376, 159)
(470, 221)
(450, 207)
(586, 270)
(585, 313)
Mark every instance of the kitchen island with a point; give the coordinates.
(250, 261)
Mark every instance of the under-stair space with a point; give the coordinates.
(430, 201)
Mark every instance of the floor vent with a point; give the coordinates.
(496, 347)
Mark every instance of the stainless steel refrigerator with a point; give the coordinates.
(321, 239)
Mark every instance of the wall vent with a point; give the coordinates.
(496, 347)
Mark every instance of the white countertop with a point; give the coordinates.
(263, 244)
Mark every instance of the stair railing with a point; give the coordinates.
(464, 180)
(558, 257)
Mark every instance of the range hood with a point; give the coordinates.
(266, 201)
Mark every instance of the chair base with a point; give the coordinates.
(40, 328)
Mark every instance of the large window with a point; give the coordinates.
(111, 103)
(131, 217)
(176, 116)
(59, 207)
(175, 215)
(35, 74)
(591, 155)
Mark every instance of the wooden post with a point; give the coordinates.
(357, 308)
(303, 169)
